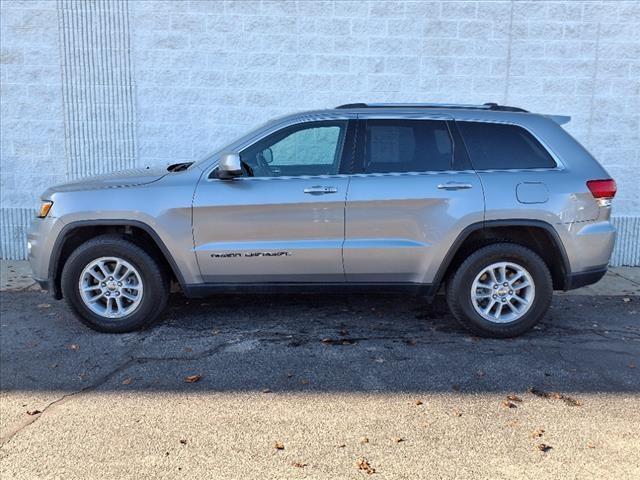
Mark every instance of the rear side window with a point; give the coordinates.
(496, 146)
(407, 146)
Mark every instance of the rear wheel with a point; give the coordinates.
(113, 285)
(501, 290)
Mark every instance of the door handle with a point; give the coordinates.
(454, 186)
(320, 190)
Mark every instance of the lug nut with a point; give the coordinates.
(495, 286)
(505, 284)
(510, 292)
(504, 299)
(119, 284)
(107, 294)
(495, 296)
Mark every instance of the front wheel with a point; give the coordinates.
(113, 285)
(501, 290)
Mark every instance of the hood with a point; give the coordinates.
(123, 178)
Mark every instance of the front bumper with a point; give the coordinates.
(41, 236)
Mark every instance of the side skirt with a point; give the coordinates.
(205, 289)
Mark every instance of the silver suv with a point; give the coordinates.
(493, 204)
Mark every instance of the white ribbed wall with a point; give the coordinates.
(99, 85)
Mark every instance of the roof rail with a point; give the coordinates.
(485, 106)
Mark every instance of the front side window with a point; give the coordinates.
(307, 149)
(499, 146)
(396, 146)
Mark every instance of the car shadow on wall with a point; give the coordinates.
(337, 343)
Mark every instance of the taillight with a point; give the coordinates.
(602, 190)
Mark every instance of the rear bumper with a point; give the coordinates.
(582, 279)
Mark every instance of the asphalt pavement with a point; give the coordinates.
(319, 387)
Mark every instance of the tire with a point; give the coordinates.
(148, 285)
(530, 304)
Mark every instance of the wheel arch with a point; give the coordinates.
(75, 233)
(533, 234)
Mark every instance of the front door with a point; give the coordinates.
(283, 220)
(413, 195)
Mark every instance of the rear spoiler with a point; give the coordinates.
(559, 119)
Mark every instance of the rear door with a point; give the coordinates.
(413, 194)
(283, 220)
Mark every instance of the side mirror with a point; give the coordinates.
(268, 155)
(229, 166)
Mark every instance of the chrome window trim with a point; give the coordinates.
(287, 122)
(412, 174)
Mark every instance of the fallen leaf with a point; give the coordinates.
(626, 299)
(278, 445)
(632, 365)
(456, 413)
(299, 464)
(188, 349)
(183, 441)
(74, 346)
(364, 465)
(304, 381)
(397, 439)
(537, 433)
(590, 445)
(192, 378)
(266, 390)
(326, 341)
(127, 381)
(514, 398)
(508, 404)
(556, 396)
(289, 374)
(348, 341)
(342, 445)
(418, 402)
(364, 440)
(44, 305)
(34, 412)
(544, 447)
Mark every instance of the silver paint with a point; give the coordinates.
(394, 227)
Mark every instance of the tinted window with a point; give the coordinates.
(306, 149)
(406, 146)
(500, 146)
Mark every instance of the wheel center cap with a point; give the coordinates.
(112, 285)
(503, 291)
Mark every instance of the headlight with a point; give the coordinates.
(44, 208)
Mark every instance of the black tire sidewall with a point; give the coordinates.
(154, 293)
(460, 291)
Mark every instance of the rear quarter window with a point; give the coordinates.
(498, 146)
